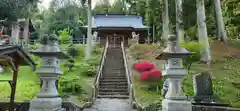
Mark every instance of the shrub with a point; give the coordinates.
(192, 47)
(72, 51)
(87, 69)
(97, 50)
(151, 75)
(152, 78)
(93, 61)
(69, 85)
(143, 66)
(64, 35)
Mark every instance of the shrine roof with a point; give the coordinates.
(118, 21)
(16, 52)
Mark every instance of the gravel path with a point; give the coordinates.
(111, 105)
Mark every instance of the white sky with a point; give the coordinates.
(45, 3)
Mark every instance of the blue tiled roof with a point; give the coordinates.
(117, 21)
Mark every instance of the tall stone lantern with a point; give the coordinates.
(175, 72)
(48, 98)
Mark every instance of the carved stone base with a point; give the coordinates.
(176, 105)
(46, 104)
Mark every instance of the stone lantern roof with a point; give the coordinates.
(173, 50)
(50, 48)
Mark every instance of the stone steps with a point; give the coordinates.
(113, 93)
(113, 87)
(113, 77)
(113, 96)
(113, 83)
(112, 80)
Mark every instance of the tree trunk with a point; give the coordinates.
(221, 33)
(89, 32)
(202, 32)
(165, 21)
(179, 21)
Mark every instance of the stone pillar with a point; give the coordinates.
(175, 72)
(48, 98)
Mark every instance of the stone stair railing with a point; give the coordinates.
(128, 74)
(95, 85)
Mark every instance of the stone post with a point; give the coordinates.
(48, 99)
(175, 72)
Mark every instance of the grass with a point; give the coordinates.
(225, 72)
(28, 83)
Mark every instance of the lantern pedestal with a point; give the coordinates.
(46, 104)
(175, 100)
(176, 105)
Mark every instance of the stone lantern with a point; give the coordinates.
(48, 98)
(175, 72)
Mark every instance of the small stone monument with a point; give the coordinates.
(203, 91)
(174, 71)
(48, 98)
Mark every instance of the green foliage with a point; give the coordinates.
(13, 9)
(194, 47)
(64, 35)
(69, 85)
(76, 51)
(87, 70)
(73, 51)
(89, 67)
(153, 85)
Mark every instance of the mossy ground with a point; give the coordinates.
(225, 72)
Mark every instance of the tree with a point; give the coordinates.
(221, 33)
(202, 32)
(14, 9)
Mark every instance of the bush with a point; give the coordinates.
(87, 69)
(76, 51)
(192, 47)
(69, 85)
(143, 66)
(93, 61)
(97, 50)
(72, 51)
(64, 35)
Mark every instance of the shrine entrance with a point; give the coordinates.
(115, 40)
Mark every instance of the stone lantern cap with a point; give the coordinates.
(50, 48)
(173, 50)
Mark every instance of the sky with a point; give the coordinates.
(45, 3)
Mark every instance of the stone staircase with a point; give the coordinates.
(113, 83)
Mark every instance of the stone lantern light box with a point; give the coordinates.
(173, 55)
